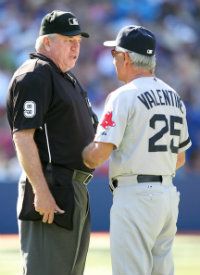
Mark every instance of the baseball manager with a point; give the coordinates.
(144, 132)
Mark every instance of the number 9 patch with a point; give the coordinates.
(29, 109)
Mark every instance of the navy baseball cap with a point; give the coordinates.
(61, 22)
(135, 39)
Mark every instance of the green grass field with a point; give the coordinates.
(186, 255)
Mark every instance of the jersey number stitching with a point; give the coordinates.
(174, 132)
(29, 109)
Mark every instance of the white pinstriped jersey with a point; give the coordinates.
(146, 121)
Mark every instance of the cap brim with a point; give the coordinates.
(112, 43)
(84, 34)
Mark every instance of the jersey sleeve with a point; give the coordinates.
(113, 122)
(31, 97)
(185, 141)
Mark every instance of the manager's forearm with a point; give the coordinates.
(91, 156)
(180, 160)
(96, 153)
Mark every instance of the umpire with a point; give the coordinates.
(51, 122)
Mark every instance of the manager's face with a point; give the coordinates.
(64, 50)
(118, 61)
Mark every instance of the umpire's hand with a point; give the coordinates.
(45, 204)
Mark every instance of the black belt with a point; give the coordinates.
(149, 178)
(142, 178)
(77, 175)
(82, 177)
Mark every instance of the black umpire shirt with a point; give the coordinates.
(39, 94)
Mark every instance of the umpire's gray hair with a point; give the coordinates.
(141, 61)
(39, 41)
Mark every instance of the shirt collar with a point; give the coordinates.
(45, 58)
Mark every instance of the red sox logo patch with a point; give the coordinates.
(107, 121)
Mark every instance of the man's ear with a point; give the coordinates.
(47, 42)
(127, 59)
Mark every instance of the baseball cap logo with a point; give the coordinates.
(73, 21)
(149, 51)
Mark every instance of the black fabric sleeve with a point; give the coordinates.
(31, 99)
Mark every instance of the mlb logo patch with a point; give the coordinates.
(149, 51)
(73, 21)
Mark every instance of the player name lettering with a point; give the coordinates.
(154, 98)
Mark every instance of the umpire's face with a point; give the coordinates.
(64, 50)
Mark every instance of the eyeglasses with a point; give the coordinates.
(114, 52)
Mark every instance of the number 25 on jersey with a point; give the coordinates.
(169, 126)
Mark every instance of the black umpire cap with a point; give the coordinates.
(61, 22)
(135, 39)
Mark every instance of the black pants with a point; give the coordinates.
(48, 249)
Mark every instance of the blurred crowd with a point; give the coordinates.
(175, 23)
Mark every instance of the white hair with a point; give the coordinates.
(140, 60)
(39, 41)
